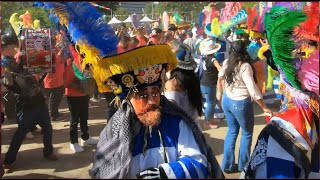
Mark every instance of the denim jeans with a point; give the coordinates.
(239, 113)
(26, 120)
(209, 93)
(79, 109)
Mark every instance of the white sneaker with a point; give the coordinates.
(89, 141)
(94, 100)
(76, 148)
(29, 135)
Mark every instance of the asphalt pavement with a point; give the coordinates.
(30, 163)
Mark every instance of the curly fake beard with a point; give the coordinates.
(150, 116)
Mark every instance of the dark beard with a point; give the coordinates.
(151, 116)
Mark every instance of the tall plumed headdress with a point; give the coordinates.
(300, 80)
(27, 19)
(177, 20)
(216, 28)
(309, 28)
(15, 23)
(85, 25)
(165, 21)
(81, 19)
(280, 22)
(96, 43)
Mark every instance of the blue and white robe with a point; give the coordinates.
(184, 159)
(270, 160)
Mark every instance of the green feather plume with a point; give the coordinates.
(177, 17)
(280, 22)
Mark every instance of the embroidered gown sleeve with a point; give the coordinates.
(190, 163)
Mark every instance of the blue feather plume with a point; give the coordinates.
(55, 21)
(200, 18)
(253, 49)
(39, 4)
(86, 24)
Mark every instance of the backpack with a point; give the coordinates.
(28, 84)
(199, 69)
(199, 60)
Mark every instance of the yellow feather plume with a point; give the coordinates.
(15, 23)
(216, 28)
(261, 51)
(36, 24)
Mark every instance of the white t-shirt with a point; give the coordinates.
(194, 32)
(182, 100)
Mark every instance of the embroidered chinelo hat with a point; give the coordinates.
(135, 69)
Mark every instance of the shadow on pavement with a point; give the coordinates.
(33, 176)
(258, 113)
(59, 135)
(66, 161)
(215, 144)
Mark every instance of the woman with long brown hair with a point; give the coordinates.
(239, 88)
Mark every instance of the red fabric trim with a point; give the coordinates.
(299, 117)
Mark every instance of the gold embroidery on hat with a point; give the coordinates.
(127, 79)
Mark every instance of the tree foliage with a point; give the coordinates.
(188, 10)
(122, 13)
(246, 5)
(112, 5)
(8, 8)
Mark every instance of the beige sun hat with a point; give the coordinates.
(207, 46)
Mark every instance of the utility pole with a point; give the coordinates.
(152, 10)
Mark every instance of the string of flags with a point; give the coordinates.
(99, 6)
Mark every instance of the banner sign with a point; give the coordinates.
(38, 46)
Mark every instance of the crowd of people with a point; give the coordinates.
(158, 84)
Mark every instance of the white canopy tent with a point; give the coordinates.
(146, 19)
(114, 20)
(128, 20)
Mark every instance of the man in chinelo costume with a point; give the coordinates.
(148, 137)
(288, 147)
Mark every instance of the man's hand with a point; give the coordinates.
(264, 42)
(151, 173)
(7, 79)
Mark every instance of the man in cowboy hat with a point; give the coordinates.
(149, 137)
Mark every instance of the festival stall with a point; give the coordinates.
(114, 20)
(145, 19)
(128, 20)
